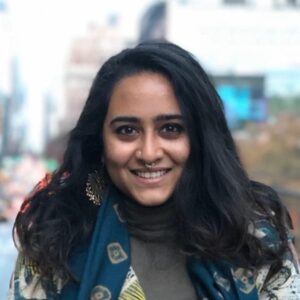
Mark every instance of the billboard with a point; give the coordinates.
(243, 98)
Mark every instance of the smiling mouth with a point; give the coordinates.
(150, 174)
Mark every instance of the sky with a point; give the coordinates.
(40, 35)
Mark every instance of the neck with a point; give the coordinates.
(151, 223)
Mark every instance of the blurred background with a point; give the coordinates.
(50, 51)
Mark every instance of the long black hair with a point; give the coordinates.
(216, 203)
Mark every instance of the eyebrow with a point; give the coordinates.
(130, 119)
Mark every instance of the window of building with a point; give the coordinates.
(234, 1)
(284, 3)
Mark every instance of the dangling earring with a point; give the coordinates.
(96, 186)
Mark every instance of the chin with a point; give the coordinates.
(151, 200)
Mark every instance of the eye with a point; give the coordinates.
(172, 129)
(126, 130)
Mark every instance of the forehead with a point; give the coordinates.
(145, 94)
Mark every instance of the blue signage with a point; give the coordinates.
(242, 102)
(3, 5)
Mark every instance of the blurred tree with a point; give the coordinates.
(279, 104)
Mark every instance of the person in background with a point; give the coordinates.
(151, 200)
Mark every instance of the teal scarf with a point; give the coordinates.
(103, 265)
(104, 270)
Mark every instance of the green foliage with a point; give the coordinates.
(278, 105)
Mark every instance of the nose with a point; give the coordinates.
(150, 149)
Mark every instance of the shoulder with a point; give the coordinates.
(277, 280)
(272, 227)
(285, 283)
(27, 284)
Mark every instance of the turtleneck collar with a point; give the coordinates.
(149, 223)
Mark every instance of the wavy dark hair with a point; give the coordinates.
(216, 202)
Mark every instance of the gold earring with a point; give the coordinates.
(95, 187)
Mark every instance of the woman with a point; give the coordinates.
(151, 201)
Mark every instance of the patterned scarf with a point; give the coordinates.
(105, 273)
(104, 269)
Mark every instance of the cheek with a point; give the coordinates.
(116, 154)
(180, 152)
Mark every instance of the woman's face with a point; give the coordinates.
(144, 125)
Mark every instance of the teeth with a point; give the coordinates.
(151, 174)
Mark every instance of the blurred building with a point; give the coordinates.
(12, 91)
(88, 51)
(5, 62)
(87, 54)
(153, 22)
(231, 38)
(242, 39)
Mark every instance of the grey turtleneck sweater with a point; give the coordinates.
(155, 256)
